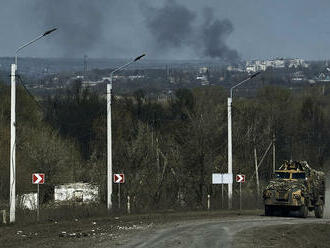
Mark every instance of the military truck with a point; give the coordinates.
(295, 187)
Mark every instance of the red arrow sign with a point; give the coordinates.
(240, 178)
(38, 178)
(118, 178)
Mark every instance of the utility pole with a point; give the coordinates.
(274, 158)
(256, 171)
(230, 161)
(109, 132)
(12, 188)
(12, 198)
(230, 152)
(109, 146)
(85, 66)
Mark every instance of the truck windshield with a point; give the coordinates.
(283, 175)
(298, 176)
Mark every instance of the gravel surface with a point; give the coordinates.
(188, 229)
(214, 233)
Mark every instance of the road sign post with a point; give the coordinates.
(240, 197)
(222, 196)
(119, 179)
(38, 178)
(128, 204)
(38, 200)
(119, 195)
(240, 179)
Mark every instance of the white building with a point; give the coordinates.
(203, 70)
(201, 78)
(76, 192)
(87, 84)
(251, 68)
(296, 63)
(262, 65)
(237, 69)
(135, 77)
(28, 201)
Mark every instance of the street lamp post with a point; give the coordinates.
(109, 133)
(12, 193)
(230, 152)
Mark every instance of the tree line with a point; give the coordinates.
(168, 150)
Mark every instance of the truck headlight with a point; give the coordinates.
(296, 195)
(267, 194)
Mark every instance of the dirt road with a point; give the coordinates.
(210, 233)
(177, 229)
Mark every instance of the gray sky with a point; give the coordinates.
(125, 28)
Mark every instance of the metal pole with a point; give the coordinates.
(119, 195)
(109, 144)
(12, 200)
(128, 205)
(12, 193)
(274, 153)
(38, 202)
(222, 196)
(240, 197)
(109, 134)
(257, 173)
(230, 161)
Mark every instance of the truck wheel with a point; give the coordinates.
(303, 211)
(319, 211)
(268, 211)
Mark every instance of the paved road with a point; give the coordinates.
(207, 233)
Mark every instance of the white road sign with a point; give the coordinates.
(118, 178)
(240, 178)
(38, 178)
(225, 178)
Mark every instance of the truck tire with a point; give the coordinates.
(319, 211)
(268, 210)
(303, 211)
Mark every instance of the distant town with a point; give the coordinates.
(162, 77)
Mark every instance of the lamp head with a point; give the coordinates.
(141, 56)
(255, 74)
(49, 31)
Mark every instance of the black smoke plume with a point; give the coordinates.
(215, 33)
(173, 26)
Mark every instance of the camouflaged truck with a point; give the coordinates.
(295, 186)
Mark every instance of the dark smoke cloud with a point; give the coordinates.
(171, 25)
(174, 26)
(79, 23)
(215, 33)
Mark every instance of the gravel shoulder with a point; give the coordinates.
(224, 232)
(101, 232)
(188, 229)
(292, 235)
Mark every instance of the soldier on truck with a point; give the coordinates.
(295, 187)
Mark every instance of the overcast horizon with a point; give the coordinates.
(167, 29)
